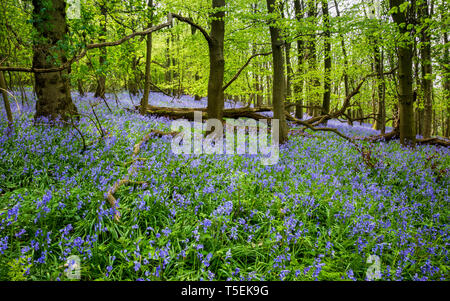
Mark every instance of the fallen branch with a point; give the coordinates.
(434, 141)
(136, 149)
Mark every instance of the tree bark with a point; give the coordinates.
(405, 54)
(5, 98)
(288, 72)
(148, 61)
(313, 81)
(380, 123)
(327, 59)
(300, 55)
(216, 61)
(53, 88)
(133, 79)
(446, 83)
(101, 81)
(279, 84)
(80, 87)
(427, 82)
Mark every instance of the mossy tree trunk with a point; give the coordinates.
(53, 88)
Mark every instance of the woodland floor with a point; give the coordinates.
(317, 214)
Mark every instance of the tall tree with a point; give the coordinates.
(148, 60)
(313, 81)
(327, 59)
(5, 98)
(215, 41)
(298, 6)
(279, 84)
(380, 119)
(427, 81)
(446, 82)
(52, 88)
(101, 81)
(403, 16)
(344, 54)
(216, 61)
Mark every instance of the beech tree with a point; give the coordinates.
(403, 16)
(279, 84)
(53, 89)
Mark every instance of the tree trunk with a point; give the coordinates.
(344, 53)
(381, 109)
(52, 89)
(169, 72)
(216, 62)
(279, 84)
(101, 81)
(313, 82)
(446, 83)
(259, 95)
(327, 59)
(405, 54)
(5, 98)
(133, 80)
(288, 73)
(300, 48)
(148, 60)
(427, 82)
(80, 87)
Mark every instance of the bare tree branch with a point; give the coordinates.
(190, 22)
(243, 67)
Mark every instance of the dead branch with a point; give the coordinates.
(243, 67)
(136, 149)
(321, 119)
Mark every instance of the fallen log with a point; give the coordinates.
(188, 113)
(247, 112)
(434, 141)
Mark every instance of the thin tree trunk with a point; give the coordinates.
(259, 88)
(279, 84)
(5, 98)
(101, 82)
(427, 82)
(381, 109)
(80, 87)
(300, 55)
(133, 80)
(344, 53)
(446, 83)
(327, 59)
(313, 82)
(148, 61)
(169, 72)
(288, 73)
